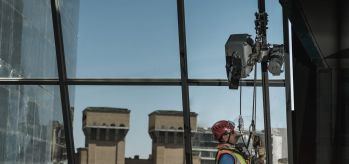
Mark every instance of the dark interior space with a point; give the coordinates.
(320, 43)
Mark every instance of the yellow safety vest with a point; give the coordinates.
(227, 149)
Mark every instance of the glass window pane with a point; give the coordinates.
(210, 23)
(128, 39)
(70, 21)
(219, 103)
(211, 104)
(207, 33)
(27, 48)
(145, 121)
(278, 124)
(31, 125)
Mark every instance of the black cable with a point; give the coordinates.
(240, 98)
(240, 117)
(253, 121)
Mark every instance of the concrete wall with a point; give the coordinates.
(82, 156)
(120, 154)
(277, 148)
(106, 152)
(173, 155)
(196, 160)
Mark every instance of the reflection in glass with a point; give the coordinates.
(70, 21)
(31, 125)
(27, 47)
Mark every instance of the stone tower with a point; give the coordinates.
(166, 130)
(105, 130)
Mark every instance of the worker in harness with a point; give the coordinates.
(224, 133)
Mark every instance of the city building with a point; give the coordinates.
(204, 145)
(31, 124)
(279, 147)
(166, 131)
(105, 130)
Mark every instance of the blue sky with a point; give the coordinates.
(139, 39)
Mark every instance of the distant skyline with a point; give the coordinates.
(139, 39)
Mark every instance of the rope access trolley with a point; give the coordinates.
(242, 55)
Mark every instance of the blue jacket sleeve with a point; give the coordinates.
(226, 159)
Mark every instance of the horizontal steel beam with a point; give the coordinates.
(169, 82)
(221, 82)
(140, 82)
(20, 81)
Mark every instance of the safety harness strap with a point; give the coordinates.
(239, 159)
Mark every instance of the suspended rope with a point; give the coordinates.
(241, 122)
(254, 107)
(252, 128)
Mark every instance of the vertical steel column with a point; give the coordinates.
(266, 111)
(62, 73)
(287, 82)
(265, 87)
(184, 81)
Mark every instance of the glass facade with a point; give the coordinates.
(70, 23)
(31, 128)
(31, 124)
(27, 41)
(120, 40)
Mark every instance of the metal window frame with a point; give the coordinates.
(289, 112)
(62, 76)
(184, 82)
(135, 82)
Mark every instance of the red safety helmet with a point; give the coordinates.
(221, 128)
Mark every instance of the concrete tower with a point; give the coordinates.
(166, 130)
(105, 130)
